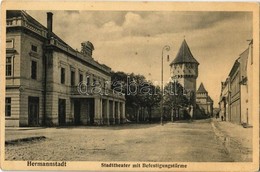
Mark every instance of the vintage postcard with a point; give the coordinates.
(129, 86)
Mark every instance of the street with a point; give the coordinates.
(197, 141)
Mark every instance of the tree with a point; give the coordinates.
(153, 99)
(175, 97)
(139, 93)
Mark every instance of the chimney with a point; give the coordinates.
(49, 23)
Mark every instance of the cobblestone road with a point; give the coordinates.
(187, 142)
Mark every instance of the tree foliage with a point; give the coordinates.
(139, 92)
(175, 95)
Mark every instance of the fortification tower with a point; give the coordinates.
(184, 69)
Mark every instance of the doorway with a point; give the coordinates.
(33, 111)
(62, 111)
(77, 107)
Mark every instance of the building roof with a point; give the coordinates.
(243, 60)
(20, 14)
(201, 89)
(234, 68)
(184, 55)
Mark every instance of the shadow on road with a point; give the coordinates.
(112, 127)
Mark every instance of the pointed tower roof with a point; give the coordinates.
(201, 89)
(184, 55)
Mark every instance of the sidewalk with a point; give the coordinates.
(237, 139)
(13, 134)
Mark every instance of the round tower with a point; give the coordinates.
(184, 69)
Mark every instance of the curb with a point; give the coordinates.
(27, 139)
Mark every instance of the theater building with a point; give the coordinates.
(48, 83)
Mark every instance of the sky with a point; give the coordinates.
(132, 41)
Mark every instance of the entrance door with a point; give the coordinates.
(33, 111)
(62, 111)
(77, 106)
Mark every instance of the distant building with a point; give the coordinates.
(204, 101)
(235, 104)
(216, 112)
(42, 76)
(224, 100)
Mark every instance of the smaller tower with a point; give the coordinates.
(203, 100)
(202, 93)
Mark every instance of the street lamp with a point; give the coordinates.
(167, 48)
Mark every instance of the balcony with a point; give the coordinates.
(20, 22)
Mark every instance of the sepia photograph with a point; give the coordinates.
(134, 87)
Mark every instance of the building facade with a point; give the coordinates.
(204, 101)
(49, 83)
(235, 103)
(236, 91)
(225, 97)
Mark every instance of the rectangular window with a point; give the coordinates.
(8, 69)
(72, 78)
(80, 77)
(34, 48)
(8, 106)
(34, 70)
(62, 75)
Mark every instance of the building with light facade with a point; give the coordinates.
(43, 76)
(235, 103)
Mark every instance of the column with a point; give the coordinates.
(118, 113)
(97, 117)
(107, 111)
(113, 113)
(101, 112)
(123, 112)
